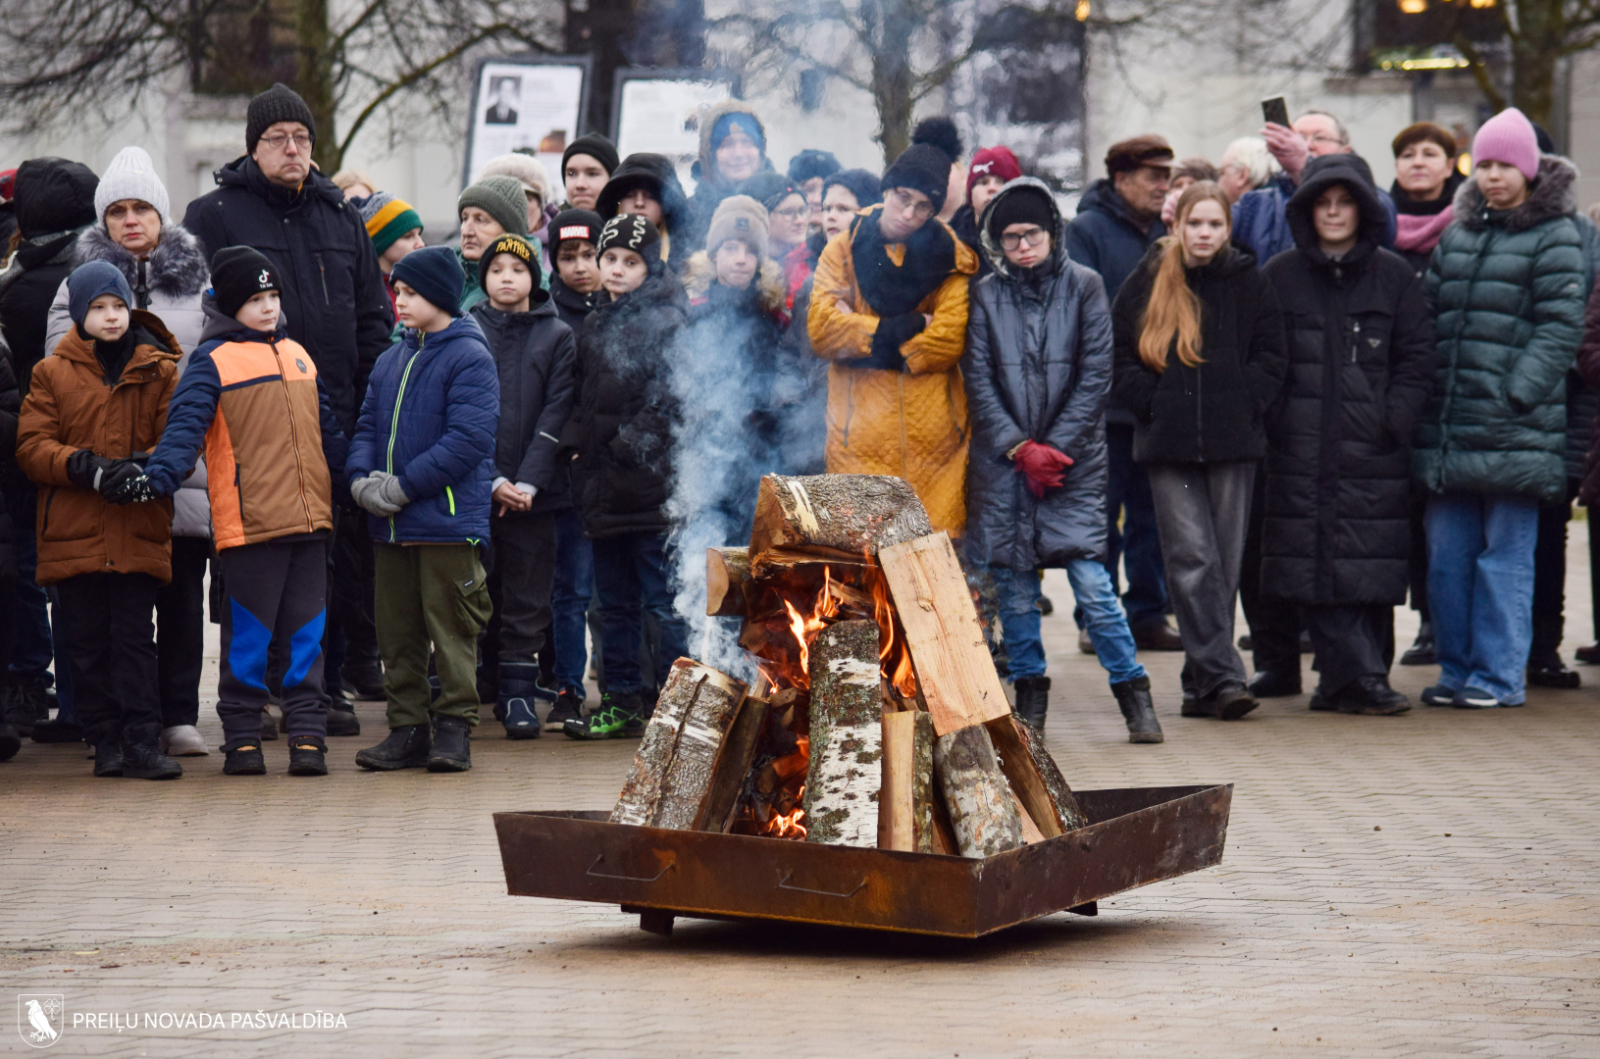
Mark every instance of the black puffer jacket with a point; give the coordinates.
(1037, 367)
(54, 200)
(622, 431)
(536, 357)
(1212, 413)
(1361, 363)
(659, 178)
(334, 298)
(572, 307)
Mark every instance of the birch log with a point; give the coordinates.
(854, 514)
(845, 773)
(982, 811)
(688, 779)
(641, 791)
(906, 805)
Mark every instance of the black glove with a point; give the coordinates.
(892, 333)
(126, 483)
(84, 467)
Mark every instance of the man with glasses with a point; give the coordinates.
(1118, 219)
(335, 305)
(889, 312)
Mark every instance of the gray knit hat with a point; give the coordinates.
(526, 169)
(278, 103)
(131, 175)
(500, 197)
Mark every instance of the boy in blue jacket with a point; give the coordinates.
(422, 465)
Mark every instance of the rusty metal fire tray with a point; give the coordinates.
(1135, 836)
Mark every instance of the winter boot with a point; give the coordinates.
(365, 681)
(518, 681)
(1133, 697)
(1545, 668)
(308, 756)
(617, 717)
(1232, 701)
(10, 742)
(405, 748)
(1371, 696)
(1269, 685)
(243, 757)
(568, 707)
(146, 762)
(452, 745)
(342, 719)
(108, 759)
(1033, 699)
(21, 711)
(1420, 653)
(57, 731)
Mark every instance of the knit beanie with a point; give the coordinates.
(770, 189)
(387, 219)
(131, 175)
(810, 164)
(517, 247)
(1508, 137)
(1022, 205)
(921, 167)
(862, 183)
(738, 119)
(595, 146)
(433, 273)
(992, 161)
(526, 170)
(582, 225)
(278, 103)
(630, 231)
(738, 217)
(500, 197)
(239, 273)
(90, 280)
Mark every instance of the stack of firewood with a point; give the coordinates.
(878, 709)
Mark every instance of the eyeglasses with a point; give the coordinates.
(902, 201)
(1323, 137)
(1033, 237)
(792, 214)
(278, 139)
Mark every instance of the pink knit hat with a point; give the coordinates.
(1508, 137)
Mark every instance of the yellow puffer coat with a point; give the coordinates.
(912, 423)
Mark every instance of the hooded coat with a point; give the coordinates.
(1213, 412)
(1361, 359)
(710, 187)
(429, 418)
(1037, 367)
(911, 423)
(573, 308)
(1507, 291)
(54, 199)
(656, 174)
(622, 431)
(334, 298)
(72, 407)
(1589, 365)
(536, 358)
(1261, 226)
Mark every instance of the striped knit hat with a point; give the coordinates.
(387, 219)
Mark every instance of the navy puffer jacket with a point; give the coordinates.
(1507, 290)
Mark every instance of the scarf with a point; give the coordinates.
(893, 290)
(1416, 234)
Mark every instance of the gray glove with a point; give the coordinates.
(380, 493)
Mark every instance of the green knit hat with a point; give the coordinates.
(387, 219)
(501, 197)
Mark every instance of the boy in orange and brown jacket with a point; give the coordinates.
(252, 397)
(95, 405)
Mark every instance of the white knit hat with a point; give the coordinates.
(528, 171)
(131, 175)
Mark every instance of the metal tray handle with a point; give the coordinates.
(783, 884)
(629, 878)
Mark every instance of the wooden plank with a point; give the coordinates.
(688, 778)
(955, 672)
(727, 573)
(1030, 830)
(857, 514)
(733, 765)
(846, 770)
(1063, 805)
(641, 791)
(983, 812)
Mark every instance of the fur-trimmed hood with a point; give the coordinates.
(1552, 194)
(176, 267)
(704, 169)
(701, 273)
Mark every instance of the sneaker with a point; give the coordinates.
(515, 706)
(568, 707)
(452, 745)
(243, 757)
(57, 731)
(1589, 656)
(1421, 652)
(308, 756)
(521, 720)
(183, 740)
(108, 760)
(405, 748)
(1233, 700)
(618, 717)
(1269, 685)
(1548, 671)
(1085, 645)
(1438, 695)
(342, 718)
(10, 742)
(147, 762)
(19, 709)
(1324, 703)
(1478, 699)
(1371, 696)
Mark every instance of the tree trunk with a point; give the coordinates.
(314, 80)
(892, 77)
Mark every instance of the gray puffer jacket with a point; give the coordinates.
(1507, 291)
(1037, 367)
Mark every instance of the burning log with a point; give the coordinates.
(983, 812)
(905, 809)
(640, 801)
(727, 574)
(853, 514)
(684, 789)
(842, 790)
(1035, 777)
(737, 754)
(954, 670)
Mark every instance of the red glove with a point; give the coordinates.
(1042, 465)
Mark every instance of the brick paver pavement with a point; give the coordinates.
(1420, 885)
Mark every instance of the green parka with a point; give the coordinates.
(1507, 291)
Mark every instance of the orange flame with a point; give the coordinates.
(893, 657)
(787, 825)
(804, 628)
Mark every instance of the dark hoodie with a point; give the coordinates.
(572, 307)
(54, 201)
(1361, 362)
(656, 174)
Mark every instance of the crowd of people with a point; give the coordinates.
(430, 475)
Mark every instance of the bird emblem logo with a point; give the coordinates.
(40, 1018)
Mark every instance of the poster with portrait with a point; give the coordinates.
(659, 111)
(532, 104)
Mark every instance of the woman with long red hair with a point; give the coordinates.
(1200, 354)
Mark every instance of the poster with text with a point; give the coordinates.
(662, 116)
(525, 106)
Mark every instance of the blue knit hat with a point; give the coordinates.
(90, 280)
(433, 273)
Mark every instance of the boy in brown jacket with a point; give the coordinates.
(95, 405)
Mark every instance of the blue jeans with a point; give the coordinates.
(1480, 590)
(1135, 544)
(631, 573)
(569, 599)
(1097, 599)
